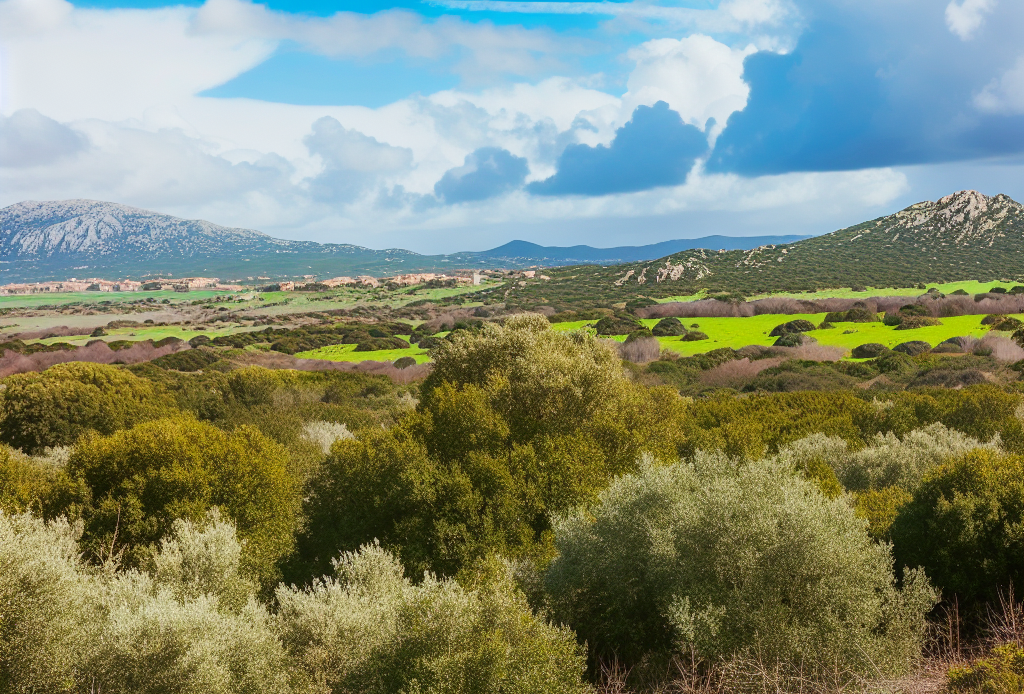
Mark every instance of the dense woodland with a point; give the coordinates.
(538, 514)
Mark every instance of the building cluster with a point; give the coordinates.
(94, 284)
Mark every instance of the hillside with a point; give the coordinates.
(85, 238)
(966, 235)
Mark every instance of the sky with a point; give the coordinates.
(450, 125)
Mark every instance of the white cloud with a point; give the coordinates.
(699, 77)
(28, 138)
(967, 16)
(502, 50)
(1004, 94)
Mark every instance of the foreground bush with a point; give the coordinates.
(1002, 672)
(729, 558)
(141, 480)
(964, 527)
(368, 629)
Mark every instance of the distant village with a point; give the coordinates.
(186, 284)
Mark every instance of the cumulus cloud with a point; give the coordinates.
(964, 18)
(352, 161)
(486, 173)
(1004, 94)
(28, 138)
(655, 148)
(699, 77)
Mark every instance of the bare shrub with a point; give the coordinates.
(737, 373)
(96, 353)
(640, 351)
(703, 308)
(325, 434)
(812, 352)
(1001, 348)
(779, 305)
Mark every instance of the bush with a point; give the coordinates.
(869, 351)
(1002, 672)
(963, 526)
(56, 406)
(896, 364)
(668, 327)
(854, 315)
(912, 348)
(693, 336)
(615, 325)
(913, 322)
(405, 362)
(793, 326)
(370, 629)
(794, 340)
(914, 310)
(639, 334)
(143, 479)
(730, 558)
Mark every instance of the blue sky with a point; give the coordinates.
(462, 124)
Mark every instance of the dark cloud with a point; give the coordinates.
(868, 87)
(655, 148)
(486, 173)
(28, 138)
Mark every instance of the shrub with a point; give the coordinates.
(641, 350)
(879, 508)
(896, 364)
(729, 558)
(963, 526)
(794, 340)
(693, 336)
(51, 611)
(869, 351)
(1002, 672)
(639, 334)
(793, 326)
(892, 319)
(56, 406)
(912, 348)
(325, 434)
(191, 625)
(369, 629)
(914, 310)
(854, 315)
(959, 292)
(404, 362)
(615, 325)
(668, 327)
(913, 322)
(141, 480)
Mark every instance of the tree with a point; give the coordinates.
(143, 479)
(56, 406)
(730, 558)
(965, 526)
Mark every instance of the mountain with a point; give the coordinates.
(561, 255)
(963, 236)
(85, 238)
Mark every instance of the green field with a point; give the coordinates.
(348, 353)
(971, 287)
(740, 332)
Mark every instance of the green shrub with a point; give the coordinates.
(869, 351)
(879, 508)
(1002, 672)
(896, 364)
(913, 322)
(912, 348)
(793, 340)
(616, 325)
(793, 326)
(639, 334)
(141, 480)
(914, 310)
(963, 526)
(693, 336)
(668, 327)
(56, 406)
(370, 629)
(731, 558)
(404, 362)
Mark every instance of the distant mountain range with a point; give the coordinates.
(963, 236)
(85, 238)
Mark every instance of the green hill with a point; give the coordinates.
(962, 236)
